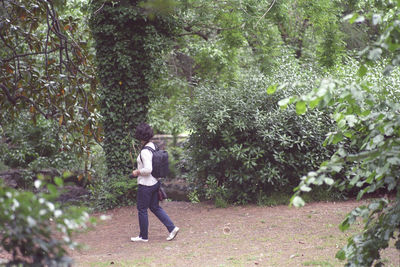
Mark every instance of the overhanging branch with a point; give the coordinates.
(191, 32)
(14, 100)
(30, 54)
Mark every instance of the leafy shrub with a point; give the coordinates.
(175, 158)
(164, 117)
(167, 94)
(367, 115)
(35, 145)
(114, 192)
(242, 141)
(366, 110)
(34, 229)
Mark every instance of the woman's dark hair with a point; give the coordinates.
(144, 132)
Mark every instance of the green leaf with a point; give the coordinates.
(66, 174)
(351, 120)
(58, 181)
(376, 19)
(301, 107)
(344, 225)
(365, 113)
(271, 89)
(394, 160)
(284, 103)
(378, 139)
(298, 201)
(329, 181)
(362, 71)
(337, 138)
(341, 255)
(52, 189)
(350, 17)
(305, 188)
(348, 134)
(313, 103)
(336, 168)
(354, 18)
(375, 54)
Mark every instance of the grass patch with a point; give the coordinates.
(273, 199)
(323, 193)
(242, 260)
(318, 263)
(221, 203)
(190, 256)
(318, 194)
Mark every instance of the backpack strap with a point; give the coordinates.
(148, 148)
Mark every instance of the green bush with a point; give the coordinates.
(35, 145)
(243, 142)
(34, 229)
(365, 106)
(114, 192)
(175, 155)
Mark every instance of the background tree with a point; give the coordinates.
(130, 39)
(45, 70)
(47, 102)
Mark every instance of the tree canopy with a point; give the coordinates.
(46, 68)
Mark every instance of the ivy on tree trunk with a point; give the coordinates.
(129, 41)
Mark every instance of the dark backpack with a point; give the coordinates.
(159, 162)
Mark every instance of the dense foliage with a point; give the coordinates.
(45, 68)
(219, 38)
(29, 221)
(366, 114)
(35, 146)
(48, 109)
(244, 146)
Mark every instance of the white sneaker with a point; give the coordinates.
(173, 234)
(138, 239)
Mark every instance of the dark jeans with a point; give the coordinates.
(147, 197)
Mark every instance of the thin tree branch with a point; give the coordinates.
(96, 138)
(13, 100)
(190, 32)
(47, 42)
(273, 3)
(94, 13)
(7, 92)
(29, 54)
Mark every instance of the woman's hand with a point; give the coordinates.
(135, 173)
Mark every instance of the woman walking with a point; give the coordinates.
(147, 194)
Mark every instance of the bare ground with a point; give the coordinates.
(235, 236)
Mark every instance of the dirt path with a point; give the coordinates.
(235, 236)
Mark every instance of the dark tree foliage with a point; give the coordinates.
(45, 77)
(45, 71)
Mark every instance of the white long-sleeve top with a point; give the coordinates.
(145, 167)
